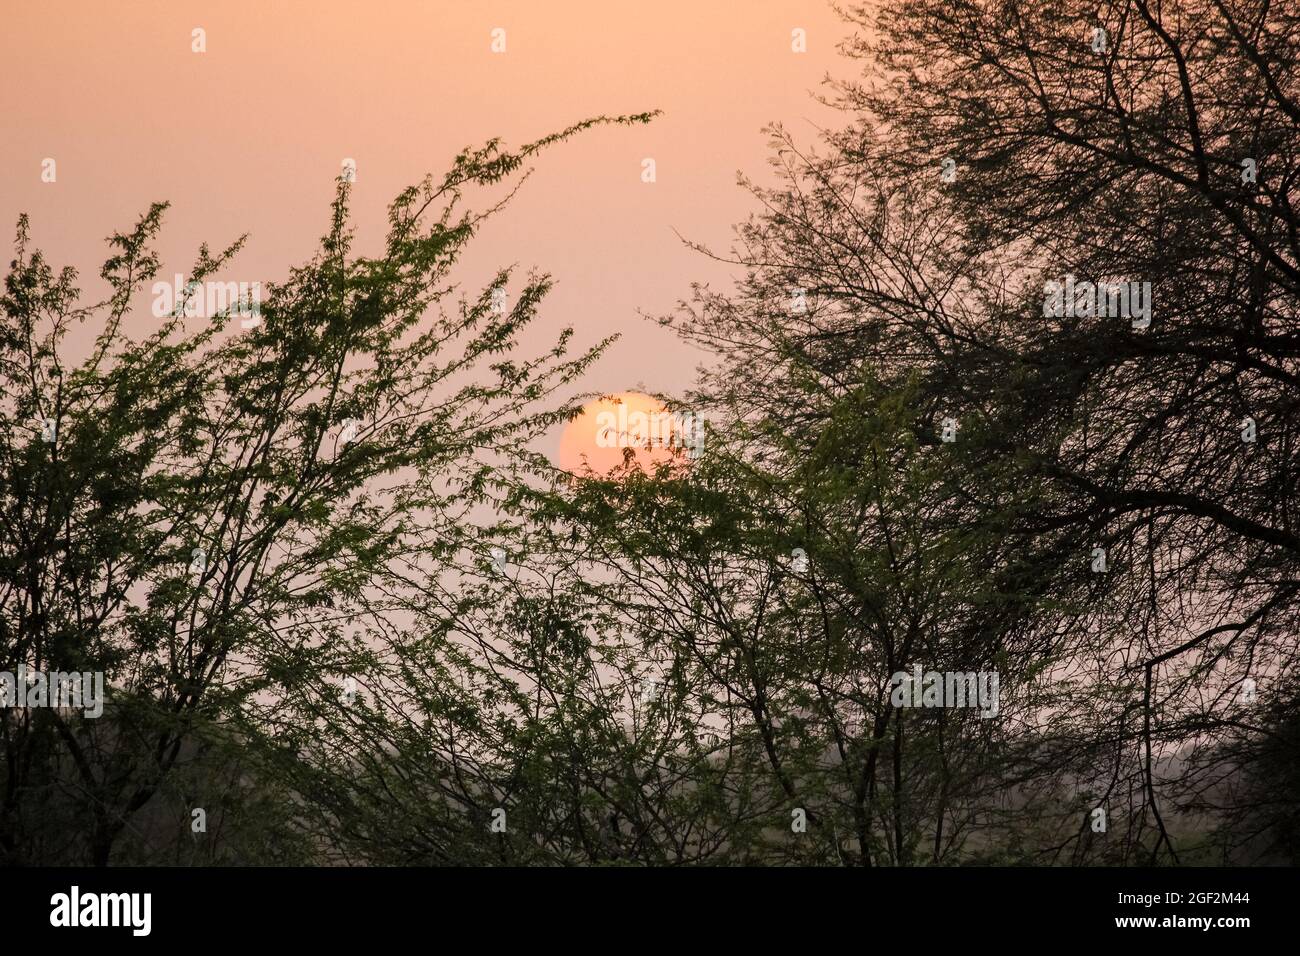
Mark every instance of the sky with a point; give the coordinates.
(248, 136)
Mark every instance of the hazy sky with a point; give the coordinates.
(248, 136)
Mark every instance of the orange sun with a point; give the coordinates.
(609, 427)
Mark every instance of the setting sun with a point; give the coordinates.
(613, 427)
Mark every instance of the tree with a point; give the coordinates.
(1072, 227)
(216, 519)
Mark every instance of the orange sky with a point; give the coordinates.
(249, 136)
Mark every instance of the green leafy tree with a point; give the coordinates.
(219, 518)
